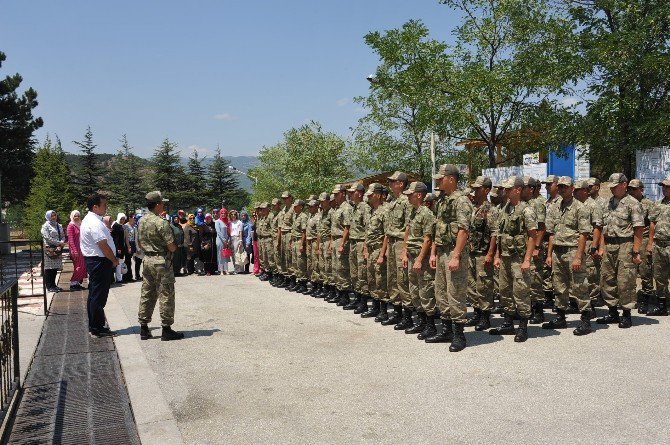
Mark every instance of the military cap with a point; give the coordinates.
(339, 188)
(429, 197)
(376, 187)
(616, 179)
(286, 194)
(263, 205)
(469, 191)
(551, 179)
(482, 181)
(513, 181)
(636, 184)
(356, 187)
(153, 197)
(298, 202)
(494, 191)
(416, 187)
(398, 176)
(528, 181)
(565, 180)
(311, 197)
(257, 205)
(594, 181)
(447, 170)
(666, 181)
(275, 201)
(324, 196)
(581, 184)
(313, 202)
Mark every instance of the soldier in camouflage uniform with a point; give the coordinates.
(429, 200)
(620, 244)
(482, 248)
(449, 256)
(599, 204)
(358, 220)
(325, 250)
(416, 258)
(517, 231)
(263, 234)
(273, 252)
(538, 203)
(568, 225)
(156, 240)
(593, 245)
(372, 252)
(659, 247)
(312, 234)
(645, 269)
(284, 225)
(498, 200)
(551, 183)
(299, 247)
(340, 244)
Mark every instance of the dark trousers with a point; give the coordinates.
(128, 259)
(100, 274)
(250, 257)
(138, 264)
(50, 278)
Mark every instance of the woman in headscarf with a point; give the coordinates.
(223, 241)
(119, 237)
(208, 245)
(246, 240)
(138, 255)
(235, 239)
(54, 241)
(199, 216)
(192, 243)
(77, 258)
(178, 233)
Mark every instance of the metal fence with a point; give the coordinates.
(23, 261)
(9, 346)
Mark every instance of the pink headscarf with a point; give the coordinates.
(225, 220)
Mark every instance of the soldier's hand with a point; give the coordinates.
(404, 261)
(650, 251)
(417, 266)
(433, 262)
(454, 264)
(365, 254)
(341, 249)
(496, 263)
(549, 261)
(488, 259)
(637, 259)
(302, 248)
(525, 266)
(577, 265)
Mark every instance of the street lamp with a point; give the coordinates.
(235, 170)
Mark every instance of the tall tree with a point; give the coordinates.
(17, 126)
(196, 174)
(168, 174)
(125, 179)
(222, 184)
(89, 175)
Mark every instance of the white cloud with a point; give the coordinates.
(570, 101)
(342, 102)
(224, 117)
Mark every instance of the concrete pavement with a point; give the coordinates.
(262, 365)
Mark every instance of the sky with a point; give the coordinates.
(233, 73)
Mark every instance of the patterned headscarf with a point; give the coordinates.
(191, 220)
(48, 216)
(199, 216)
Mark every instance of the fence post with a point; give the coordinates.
(15, 333)
(44, 283)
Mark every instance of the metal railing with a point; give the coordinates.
(9, 346)
(24, 262)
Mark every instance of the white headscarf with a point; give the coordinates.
(119, 216)
(72, 215)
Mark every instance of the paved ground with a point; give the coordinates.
(262, 365)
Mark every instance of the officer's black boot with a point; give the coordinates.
(642, 300)
(522, 331)
(383, 314)
(362, 305)
(353, 304)
(373, 311)
(548, 299)
(446, 335)
(168, 334)
(344, 298)
(584, 324)
(660, 309)
(484, 321)
(458, 343)
(420, 326)
(406, 321)
(474, 321)
(612, 317)
(626, 320)
(145, 333)
(429, 330)
(395, 317)
(559, 322)
(538, 313)
(507, 328)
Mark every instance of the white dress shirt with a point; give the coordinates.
(92, 231)
(236, 228)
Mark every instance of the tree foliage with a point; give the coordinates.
(125, 179)
(88, 177)
(168, 175)
(222, 184)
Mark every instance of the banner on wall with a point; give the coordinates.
(652, 166)
(537, 171)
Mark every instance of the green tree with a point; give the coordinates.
(307, 161)
(222, 184)
(125, 179)
(17, 126)
(168, 174)
(51, 188)
(88, 178)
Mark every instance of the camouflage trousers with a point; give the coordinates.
(451, 288)
(593, 270)
(480, 282)
(326, 264)
(646, 269)
(662, 267)
(299, 260)
(397, 278)
(312, 260)
(376, 275)
(422, 284)
(341, 265)
(567, 283)
(537, 279)
(357, 267)
(618, 275)
(266, 253)
(547, 281)
(515, 295)
(285, 253)
(158, 285)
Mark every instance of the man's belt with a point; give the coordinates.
(563, 249)
(618, 239)
(153, 254)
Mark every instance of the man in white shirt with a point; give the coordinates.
(97, 246)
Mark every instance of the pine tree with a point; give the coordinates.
(222, 185)
(168, 174)
(87, 178)
(196, 173)
(125, 179)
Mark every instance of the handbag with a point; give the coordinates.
(51, 251)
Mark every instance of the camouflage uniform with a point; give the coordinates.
(483, 226)
(285, 223)
(374, 238)
(339, 221)
(547, 281)
(646, 268)
(394, 228)
(539, 205)
(593, 264)
(312, 230)
(153, 236)
(421, 222)
(660, 216)
(273, 251)
(358, 221)
(298, 257)
(325, 253)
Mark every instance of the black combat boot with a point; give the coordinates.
(332, 296)
(430, 329)
(145, 333)
(395, 317)
(599, 302)
(383, 314)
(484, 321)
(642, 300)
(498, 309)
(168, 334)
(406, 321)
(474, 321)
(612, 317)
(538, 313)
(572, 307)
(584, 324)
(458, 343)
(548, 299)
(626, 320)
(659, 310)
(373, 311)
(344, 298)
(295, 285)
(419, 327)
(507, 328)
(446, 335)
(362, 305)
(284, 281)
(559, 322)
(302, 287)
(353, 304)
(522, 331)
(592, 312)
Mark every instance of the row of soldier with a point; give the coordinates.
(424, 257)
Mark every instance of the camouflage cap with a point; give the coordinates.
(286, 194)
(263, 205)
(356, 187)
(324, 196)
(593, 181)
(313, 203)
(447, 170)
(154, 197)
(298, 202)
(257, 205)
(551, 179)
(339, 188)
(581, 184)
(565, 180)
(494, 192)
(482, 181)
(275, 201)
(416, 187)
(311, 197)
(636, 184)
(430, 197)
(666, 181)
(513, 181)
(616, 179)
(528, 181)
(376, 187)
(398, 176)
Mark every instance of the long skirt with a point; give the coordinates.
(79, 273)
(222, 262)
(257, 262)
